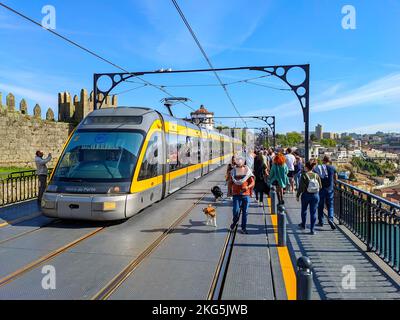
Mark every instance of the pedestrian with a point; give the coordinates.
(290, 162)
(41, 171)
(328, 176)
(278, 175)
(260, 173)
(310, 185)
(228, 177)
(243, 183)
(298, 169)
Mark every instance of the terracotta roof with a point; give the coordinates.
(202, 110)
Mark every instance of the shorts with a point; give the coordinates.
(290, 174)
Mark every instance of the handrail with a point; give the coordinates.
(19, 186)
(372, 219)
(368, 194)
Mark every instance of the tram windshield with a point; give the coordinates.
(99, 156)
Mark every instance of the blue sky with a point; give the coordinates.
(355, 74)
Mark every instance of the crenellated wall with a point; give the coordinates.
(74, 109)
(21, 134)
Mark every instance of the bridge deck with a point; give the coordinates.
(330, 252)
(184, 264)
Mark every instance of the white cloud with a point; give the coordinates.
(44, 99)
(380, 92)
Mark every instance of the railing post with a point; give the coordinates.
(369, 223)
(281, 226)
(273, 200)
(340, 205)
(304, 278)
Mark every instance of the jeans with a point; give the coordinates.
(309, 199)
(42, 186)
(297, 179)
(325, 197)
(240, 202)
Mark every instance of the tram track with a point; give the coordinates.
(217, 285)
(53, 222)
(126, 272)
(36, 263)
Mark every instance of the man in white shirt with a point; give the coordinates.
(290, 162)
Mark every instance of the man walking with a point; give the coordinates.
(328, 175)
(290, 162)
(41, 171)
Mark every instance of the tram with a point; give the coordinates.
(120, 160)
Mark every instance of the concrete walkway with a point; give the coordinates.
(335, 256)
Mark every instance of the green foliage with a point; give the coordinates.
(373, 168)
(328, 143)
(290, 139)
(313, 137)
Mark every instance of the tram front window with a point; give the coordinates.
(99, 156)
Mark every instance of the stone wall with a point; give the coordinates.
(22, 134)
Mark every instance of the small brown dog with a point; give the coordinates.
(211, 215)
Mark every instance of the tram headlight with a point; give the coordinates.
(109, 205)
(118, 189)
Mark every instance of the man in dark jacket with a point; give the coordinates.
(328, 175)
(41, 171)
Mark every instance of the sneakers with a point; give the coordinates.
(301, 226)
(312, 232)
(332, 224)
(320, 224)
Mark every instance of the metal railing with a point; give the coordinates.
(374, 220)
(19, 186)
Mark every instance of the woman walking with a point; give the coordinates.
(243, 183)
(298, 169)
(228, 177)
(278, 175)
(260, 173)
(310, 185)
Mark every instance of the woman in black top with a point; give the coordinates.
(260, 171)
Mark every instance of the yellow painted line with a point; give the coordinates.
(20, 219)
(289, 275)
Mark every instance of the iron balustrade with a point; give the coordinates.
(19, 186)
(374, 220)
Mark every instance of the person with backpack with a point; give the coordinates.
(309, 187)
(328, 175)
(243, 184)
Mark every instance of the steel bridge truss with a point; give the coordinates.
(301, 89)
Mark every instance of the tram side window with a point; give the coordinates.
(183, 159)
(216, 149)
(194, 150)
(172, 142)
(152, 162)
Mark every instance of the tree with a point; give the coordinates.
(328, 143)
(313, 137)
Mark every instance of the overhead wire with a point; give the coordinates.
(185, 21)
(85, 49)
